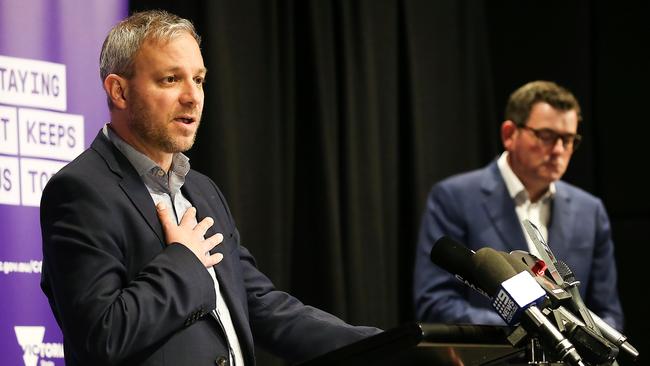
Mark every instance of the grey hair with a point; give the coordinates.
(125, 39)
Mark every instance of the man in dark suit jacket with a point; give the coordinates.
(485, 208)
(142, 263)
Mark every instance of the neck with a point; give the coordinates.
(162, 159)
(535, 188)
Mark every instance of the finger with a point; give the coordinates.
(163, 215)
(189, 217)
(213, 259)
(204, 225)
(212, 241)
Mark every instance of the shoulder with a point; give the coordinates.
(87, 167)
(463, 180)
(578, 197)
(572, 192)
(98, 173)
(85, 186)
(469, 181)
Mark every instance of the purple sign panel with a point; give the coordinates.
(51, 107)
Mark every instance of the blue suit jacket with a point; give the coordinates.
(475, 209)
(121, 296)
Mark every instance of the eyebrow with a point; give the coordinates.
(202, 70)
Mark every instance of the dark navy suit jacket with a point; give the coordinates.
(476, 209)
(121, 296)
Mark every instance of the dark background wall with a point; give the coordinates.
(326, 123)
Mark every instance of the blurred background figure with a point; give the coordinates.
(486, 207)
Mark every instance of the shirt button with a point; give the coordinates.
(160, 172)
(221, 361)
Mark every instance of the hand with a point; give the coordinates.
(191, 234)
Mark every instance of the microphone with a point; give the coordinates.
(577, 304)
(489, 270)
(597, 323)
(614, 336)
(544, 250)
(522, 260)
(517, 294)
(560, 272)
(519, 260)
(512, 293)
(595, 349)
(456, 259)
(452, 256)
(546, 254)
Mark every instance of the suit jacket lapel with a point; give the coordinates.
(130, 182)
(223, 270)
(501, 209)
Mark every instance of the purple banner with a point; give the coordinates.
(51, 107)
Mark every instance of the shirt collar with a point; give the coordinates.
(515, 188)
(141, 162)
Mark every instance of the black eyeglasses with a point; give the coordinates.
(549, 137)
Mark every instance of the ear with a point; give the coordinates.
(508, 130)
(115, 87)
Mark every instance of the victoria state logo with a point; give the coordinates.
(30, 339)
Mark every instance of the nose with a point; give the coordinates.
(192, 93)
(559, 145)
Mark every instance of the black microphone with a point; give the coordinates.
(515, 295)
(452, 256)
(456, 259)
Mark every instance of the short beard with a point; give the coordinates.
(140, 122)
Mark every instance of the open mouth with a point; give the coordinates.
(185, 119)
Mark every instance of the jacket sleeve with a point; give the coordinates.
(285, 326)
(107, 314)
(438, 296)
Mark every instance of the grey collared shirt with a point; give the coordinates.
(162, 187)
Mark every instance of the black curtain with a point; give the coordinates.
(327, 122)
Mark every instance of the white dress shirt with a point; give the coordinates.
(538, 212)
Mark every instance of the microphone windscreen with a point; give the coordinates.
(453, 257)
(490, 270)
(517, 265)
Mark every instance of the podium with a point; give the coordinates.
(419, 344)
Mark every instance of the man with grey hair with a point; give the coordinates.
(142, 263)
(486, 207)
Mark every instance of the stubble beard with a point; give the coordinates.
(142, 124)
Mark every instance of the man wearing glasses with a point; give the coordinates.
(486, 207)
